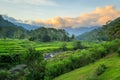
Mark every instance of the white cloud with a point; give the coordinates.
(98, 17)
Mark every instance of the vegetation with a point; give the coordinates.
(49, 34)
(88, 72)
(79, 59)
(11, 46)
(22, 53)
(77, 45)
(9, 30)
(101, 68)
(110, 31)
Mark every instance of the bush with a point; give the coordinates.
(4, 75)
(77, 45)
(64, 47)
(101, 69)
(10, 58)
(81, 58)
(118, 51)
(32, 38)
(36, 65)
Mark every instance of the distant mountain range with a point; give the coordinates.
(75, 31)
(80, 30)
(20, 23)
(12, 27)
(10, 30)
(107, 32)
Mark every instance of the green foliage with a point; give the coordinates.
(63, 47)
(112, 61)
(101, 69)
(9, 30)
(84, 57)
(118, 51)
(32, 38)
(36, 65)
(77, 45)
(49, 34)
(110, 31)
(46, 38)
(4, 75)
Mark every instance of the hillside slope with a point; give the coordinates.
(109, 31)
(112, 62)
(10, 30)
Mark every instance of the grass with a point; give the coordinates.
(112, 72)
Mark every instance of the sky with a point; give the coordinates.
(62, 13)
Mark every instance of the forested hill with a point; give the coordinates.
(107, 32)
(49, 34)
(4, 23)
(10, 30)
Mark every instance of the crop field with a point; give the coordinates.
(20, 46)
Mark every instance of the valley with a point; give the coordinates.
(59, 40)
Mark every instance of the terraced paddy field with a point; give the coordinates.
(11, 46)
(20, 46)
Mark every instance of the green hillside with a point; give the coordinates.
(109, 31)
(112, 62)
(41, 34)
(10, 30)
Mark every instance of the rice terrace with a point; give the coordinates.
(59, 40)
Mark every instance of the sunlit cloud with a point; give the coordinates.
(97, 17)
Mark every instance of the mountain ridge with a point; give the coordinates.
(110, 30)
(76, 31)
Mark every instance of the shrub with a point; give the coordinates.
(77, 45)
(64, 47)
(101, 69)
(32, 38)
(4, 75)
(36, 65)
(81, 58)
(118, 51)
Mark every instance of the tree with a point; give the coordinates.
(32, 38)
(36, 65)
(4, 75)
(64, 47)
(46, 38)
(77, 45)
(72, 37)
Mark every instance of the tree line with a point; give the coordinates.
(10, 30)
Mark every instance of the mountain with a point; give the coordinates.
(75, 31)
(20, 23)
(107, 32)
(10, 30)
(79, 30)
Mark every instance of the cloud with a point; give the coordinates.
(95, 18)
(33, 2)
